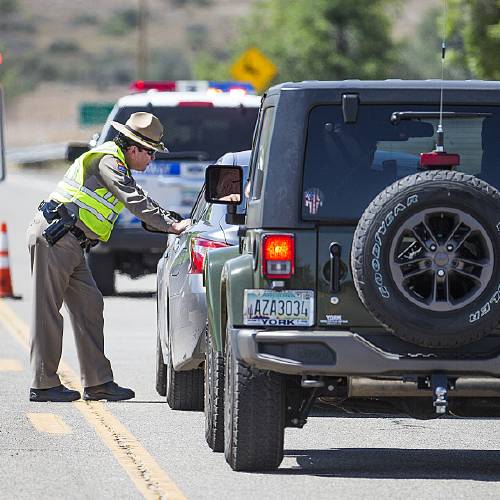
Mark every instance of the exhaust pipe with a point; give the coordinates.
(363, 387)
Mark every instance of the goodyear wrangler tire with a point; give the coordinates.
(426, 258)
(254, 415)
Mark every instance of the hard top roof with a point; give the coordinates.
(158, 99)
(392, 84)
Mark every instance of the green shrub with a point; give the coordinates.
(85, 19)
(64, 47)
(168, 65)
(121, 22)
(197, 35)
(8, 6)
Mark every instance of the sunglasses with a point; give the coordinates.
(150, 152)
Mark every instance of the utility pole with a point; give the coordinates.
(142, 40)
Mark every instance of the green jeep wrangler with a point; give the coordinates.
(368, 271)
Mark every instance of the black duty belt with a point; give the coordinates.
(53, 213)
(80, 235)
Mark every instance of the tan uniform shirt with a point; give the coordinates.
(110, 173)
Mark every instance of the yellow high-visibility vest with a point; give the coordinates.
(98, 209)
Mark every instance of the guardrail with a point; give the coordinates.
(37, 154)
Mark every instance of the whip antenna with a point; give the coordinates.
(439, 159)
(440, 131)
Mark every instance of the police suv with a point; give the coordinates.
(202, 121)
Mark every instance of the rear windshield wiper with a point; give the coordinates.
(397, 116)
(184, 155)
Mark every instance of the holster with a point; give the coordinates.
(60, 221)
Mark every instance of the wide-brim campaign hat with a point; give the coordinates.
(144, 129)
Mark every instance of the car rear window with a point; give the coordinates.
(214, 130)
(347, 164)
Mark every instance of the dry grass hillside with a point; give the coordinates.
(90, 38)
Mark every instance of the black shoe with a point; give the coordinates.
(59, 394)
(110, 391)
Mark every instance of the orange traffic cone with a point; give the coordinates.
(5, 280)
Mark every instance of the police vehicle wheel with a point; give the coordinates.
(254, 416)
(102, 266)
(214, 395)
(184, 388)
(426, 258)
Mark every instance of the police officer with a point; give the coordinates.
(80, 212)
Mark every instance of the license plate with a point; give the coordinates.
(273, 308)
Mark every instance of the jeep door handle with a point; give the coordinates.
(335, 253)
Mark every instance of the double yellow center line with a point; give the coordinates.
(148, 477)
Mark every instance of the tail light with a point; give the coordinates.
(199, 249)
(278, 256)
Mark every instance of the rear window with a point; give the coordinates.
(348, 164)
(214, 130)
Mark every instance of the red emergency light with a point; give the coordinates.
(145, 85)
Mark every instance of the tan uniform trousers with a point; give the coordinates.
(60, 273)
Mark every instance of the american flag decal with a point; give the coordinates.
(313, 199)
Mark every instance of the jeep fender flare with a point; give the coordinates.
(237, 276)
(212, 272)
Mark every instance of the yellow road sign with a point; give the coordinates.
(254, 67)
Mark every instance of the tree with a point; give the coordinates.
(477, 23)
(420, 52)
(8, 6)
(322, 39)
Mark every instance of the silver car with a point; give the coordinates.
(181, 302)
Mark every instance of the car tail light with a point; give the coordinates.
(278, 256)
(199, 249)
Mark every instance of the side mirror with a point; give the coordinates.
(76, 149)
(224, 184)
(2, 143)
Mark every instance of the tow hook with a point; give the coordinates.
(313, 384)
(439, 383)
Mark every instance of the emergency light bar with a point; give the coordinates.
(192, 86)
(144, 85)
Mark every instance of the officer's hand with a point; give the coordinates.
(231, 197)
(178, 227)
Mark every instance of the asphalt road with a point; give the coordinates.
(141, 448)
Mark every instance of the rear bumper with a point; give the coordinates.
(340, 353)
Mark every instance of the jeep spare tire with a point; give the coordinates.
(426, 258)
